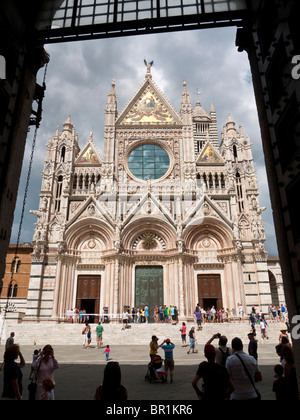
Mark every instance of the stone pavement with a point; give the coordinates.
(82, 370)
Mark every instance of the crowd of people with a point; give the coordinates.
(229, 372)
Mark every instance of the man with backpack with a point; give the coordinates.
(222, 352)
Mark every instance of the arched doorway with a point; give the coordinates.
(274, 289)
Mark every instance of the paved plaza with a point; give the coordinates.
(81, 371)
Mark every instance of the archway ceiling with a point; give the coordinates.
(72, 20)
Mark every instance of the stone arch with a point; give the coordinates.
(164, 233)
(83, 230)
(274, 288)
(214, 229)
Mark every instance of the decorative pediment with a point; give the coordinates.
(148, 205)
(207, 208)
(149, 107)
(90, 208)
(210, 156)
(89, 155)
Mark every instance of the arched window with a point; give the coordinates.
(239, 192)
(15, 266)
(9, 291)
(63, 154)
(15, 291)
(58, 193)
(235, 152)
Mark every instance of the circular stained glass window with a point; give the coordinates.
(148, 161)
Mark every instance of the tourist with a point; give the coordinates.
(125, 319)
(217, 384)
(198, 318)
(281, 385)
(45, 366)
(111, 388)
(48, 387)
(241, 312)
(290, 371)
(233, 311)
(192, 337)
(99, 332)
(222, 352)
(253, 346)
(35, 356)
(283, 335)
(133, 314)
(213, 314)
(86, 332)
(12, 378)
(138, 315)
(10, 341)
(168, 348)
(153, 346)
(263, 328)
(155, 314)
(146, 314)
(107, 351)
(244, 372)
(161, 314)
(183, 335)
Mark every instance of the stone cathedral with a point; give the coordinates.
(167, 214)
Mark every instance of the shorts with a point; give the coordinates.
(169, 363)
(183, 337)
(192, 343)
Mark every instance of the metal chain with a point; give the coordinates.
(23, 210)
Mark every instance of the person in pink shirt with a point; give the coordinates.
(183, 335)
(107, 351)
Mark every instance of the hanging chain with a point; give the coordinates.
(23, 210)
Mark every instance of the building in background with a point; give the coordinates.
(14, 285)
(166, 215)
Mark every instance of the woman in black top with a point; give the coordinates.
(12, 383)
(111, 388)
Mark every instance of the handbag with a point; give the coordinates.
(258, 394)
(32, 391)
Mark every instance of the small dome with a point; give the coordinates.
(200, 114)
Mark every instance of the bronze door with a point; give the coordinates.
(88, 295)
(149, 287)
(210, 291)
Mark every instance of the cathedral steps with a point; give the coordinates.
(139, 334)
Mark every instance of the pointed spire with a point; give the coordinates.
(111, 105)
(68, 125)
(186, 106)
(91, 138)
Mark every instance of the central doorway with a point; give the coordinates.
(210, 291)
(88, 296)
(149, 288)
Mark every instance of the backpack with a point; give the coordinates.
(224, 356)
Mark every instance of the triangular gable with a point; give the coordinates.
(94, 209)
(209, 156)
(149, 107)
(88, 156)
(148, 204)
(205, 200)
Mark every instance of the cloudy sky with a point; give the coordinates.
(79, 80)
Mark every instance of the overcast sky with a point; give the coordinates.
(79, 80)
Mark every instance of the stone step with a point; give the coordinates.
(138, 334)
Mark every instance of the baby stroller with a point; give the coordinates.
(156, 371)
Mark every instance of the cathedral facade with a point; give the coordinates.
(166, 215)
